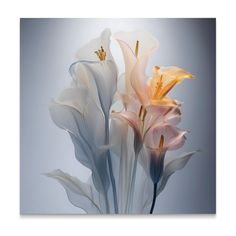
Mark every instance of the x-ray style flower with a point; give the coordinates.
(124, 146)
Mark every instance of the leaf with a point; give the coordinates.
(80, 194)
(85, 142)
(169, 169)
(172, 167)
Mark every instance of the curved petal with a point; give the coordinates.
(174, 73)
(130, 118)
(169, 169)
(174, 138)
(80, 194)
(138, 80)
(86, 139)
(156, 164)
(134, 122)
(165, 101)
(127, 41)
(87, 52)
(73, 97)
(170, 77)
(100, 78)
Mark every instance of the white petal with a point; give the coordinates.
(73, 97)
(79, 193)
(122, 140)
(171, 167)
(100, 79)
(86, 140)
(87, 52)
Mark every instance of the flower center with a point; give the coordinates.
(101, 54)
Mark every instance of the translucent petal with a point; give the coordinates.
(123, 157)
(131, 119)
(80, 194)
(174, 138)
(74, 97)
(127, 41)
(174, 73)
(87, 52)
(169, 169)
(100, 78)
(86, 149)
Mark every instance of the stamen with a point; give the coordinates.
(142, 113)
(136, 48)
(158, 88)
(161, 142)
(101, 54)
(167, 88)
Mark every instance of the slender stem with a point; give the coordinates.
(154, 198)
(113, 183)
(107, 203)
(131, 190)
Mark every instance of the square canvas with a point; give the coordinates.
(117, 116)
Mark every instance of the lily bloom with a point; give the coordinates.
(137, 47)
(145, 122)
(149, 126)
(83, 111)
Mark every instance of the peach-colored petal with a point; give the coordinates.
(130, 118)
(174, 138)
(127, 41)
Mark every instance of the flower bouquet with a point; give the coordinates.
(121, 128)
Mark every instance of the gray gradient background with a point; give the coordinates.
(48, 47)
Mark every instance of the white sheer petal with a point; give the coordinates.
(80, 194)
(122, 140)
(83, 138)
(87, 52)
(172, 166)
(73, 97)
(147, 42)
(100, 79)
(169, 169)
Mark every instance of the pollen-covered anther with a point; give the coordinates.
(136, 48)
(101, 54)
(161, 142)
(142, 113)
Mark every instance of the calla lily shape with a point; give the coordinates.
(144, 122)
(96, 71)
(83, 110)
(125, 149)
(137, 47)
(158, 141)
